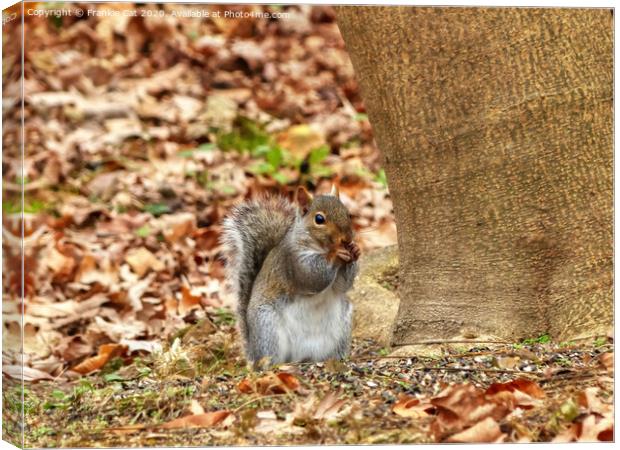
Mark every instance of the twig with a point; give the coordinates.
(575, 373)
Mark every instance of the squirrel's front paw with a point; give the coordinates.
(343, 254)
(354, 251)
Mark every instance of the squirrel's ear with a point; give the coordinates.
(303, 198)
(335, 192)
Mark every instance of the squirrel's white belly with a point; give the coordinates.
(312, 327)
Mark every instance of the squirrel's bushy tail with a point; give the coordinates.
(251, 230)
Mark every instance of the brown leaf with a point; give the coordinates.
(607, 360)
(25, 372)
(90, 272)
(329, 406)
(288, 380)
(594, 429)
(300, 140)
(408, 406)
(272, 383)
(197, 420)
(461, 406)
(486, 430)
(188, 300)
(178, 226)
(106, 352)
(590, 429)
(589, 400)
(141, 261)
(245, 386)
(61, 265)
(526, 386)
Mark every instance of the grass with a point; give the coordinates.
(207, 367)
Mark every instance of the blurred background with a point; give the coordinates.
(144, 124)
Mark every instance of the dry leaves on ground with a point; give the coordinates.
(272, 383)
(132, 162)
(465, 413)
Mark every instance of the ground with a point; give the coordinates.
(133, 403)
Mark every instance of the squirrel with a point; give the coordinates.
(290, 266)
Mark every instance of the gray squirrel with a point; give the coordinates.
(290, 267)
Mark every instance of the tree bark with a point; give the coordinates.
(495, 126)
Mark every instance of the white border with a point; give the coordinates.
(540, 3)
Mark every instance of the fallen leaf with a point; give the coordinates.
(61, 265)
(408, 406)
(590, 429)
(288, 380)
(188, 300)
(486, 430)
(178, 226)
(141, 261)
(197, 420)
(106, 352)
(300, 140)
(26, 373)
(589, 400)
(526, 393)
(272, 383)
(245, 386)
(462, 406)
(328, 407)
(526, 386)
(607, 360)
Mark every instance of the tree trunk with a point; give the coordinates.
(495, 126)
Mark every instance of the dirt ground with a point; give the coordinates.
(359, 401)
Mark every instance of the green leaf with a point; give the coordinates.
(143, 231)
(207, 147)
(321, 171)
(360, 117)
(157, 209)
(274, 157)
(542, 339)
(381, 178)
(569, 410)
(224, 316)
(281, 178)
(545, 338)
(246, 136)
(227, 190)
(318, 154)
(186, 153)
(58, 394)
(262, 168)
(35, 207)
(600, 341)
(261, 150)
(9, 207)
(111, 377)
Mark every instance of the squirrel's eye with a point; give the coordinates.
(319, 219)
